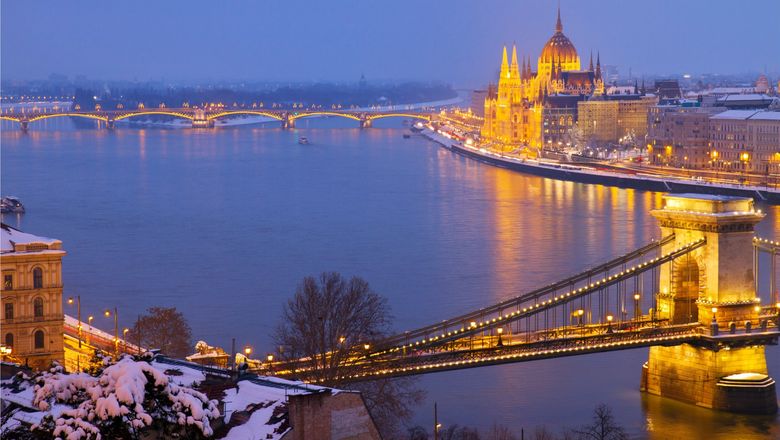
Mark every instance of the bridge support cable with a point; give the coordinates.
(532, 308)
(515, 304)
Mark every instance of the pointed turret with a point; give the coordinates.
(504, 65)
(514, 69)
(598, 65)
(636, 86)
(643, 90)
(590, 66)
(559, 24)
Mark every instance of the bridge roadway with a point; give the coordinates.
(205, 118)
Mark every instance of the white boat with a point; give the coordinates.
(303, 140)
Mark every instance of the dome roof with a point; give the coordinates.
(559, 47)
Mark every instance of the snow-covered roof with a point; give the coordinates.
(10, 237)
(760, 115)
(745, 97)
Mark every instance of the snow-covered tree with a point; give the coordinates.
(125, 400)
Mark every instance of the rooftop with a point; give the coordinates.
(759, 115)
(14, 240)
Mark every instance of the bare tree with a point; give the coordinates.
(165, 329)
(500, 432)
(603, 427)
(328, 323)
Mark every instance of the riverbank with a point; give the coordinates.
(586, 174)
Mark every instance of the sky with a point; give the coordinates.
(456, 41)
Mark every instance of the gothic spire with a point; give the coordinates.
(504, 65)
(590, 66)
(598, 65)
(558, 24)
(514, 70)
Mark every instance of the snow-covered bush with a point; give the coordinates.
(127, 399)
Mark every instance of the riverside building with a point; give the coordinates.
(32, 319)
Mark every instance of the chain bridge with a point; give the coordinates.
(690, 296)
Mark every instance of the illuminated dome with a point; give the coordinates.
(559, 47)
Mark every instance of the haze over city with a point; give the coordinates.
(455, 41)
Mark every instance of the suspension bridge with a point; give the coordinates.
(691, 297)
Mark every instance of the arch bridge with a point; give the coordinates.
(686, 296)
(206, 118)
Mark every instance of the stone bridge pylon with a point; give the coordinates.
(713, 285)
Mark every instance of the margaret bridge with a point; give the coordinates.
(206, 118)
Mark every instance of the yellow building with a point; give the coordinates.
(514, 113)
(32, 319)
(608, 118)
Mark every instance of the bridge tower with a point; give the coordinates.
(200, 120)
(714, 287)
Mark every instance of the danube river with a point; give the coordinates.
(224, 223)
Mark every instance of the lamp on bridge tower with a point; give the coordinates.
(710, 287)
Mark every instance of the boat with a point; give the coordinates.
(407, 135)
(11, 205)
(303, 140)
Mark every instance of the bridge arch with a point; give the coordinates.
(398, 115)
(62, 115)
(267, 114)
(9, 118)
(354, 117)
(154, 112)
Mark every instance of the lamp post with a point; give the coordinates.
(500, 331)
(609, 323)
(714, 324)
(107, 314)
(89, 321)
(78, 314)
(124, 337)
(270, 359)
(436, 424)
(637, 297)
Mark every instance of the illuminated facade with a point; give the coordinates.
(609, 118)
(515, 113)
(32, 318)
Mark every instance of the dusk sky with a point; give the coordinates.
(455, 41)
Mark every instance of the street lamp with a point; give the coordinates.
(609, 323)
(500, 331)
(247, 351)
(107, 314)
(124, 337)
(636, 305)
(89, 321)
(78, 314)
(714, 324)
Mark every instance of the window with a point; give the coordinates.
(9, 339)
(9, 310)
(37, 278)
(38, 307)
(39, 339)
(8, 282)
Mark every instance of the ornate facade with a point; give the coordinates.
(32, 317)
(515, 113)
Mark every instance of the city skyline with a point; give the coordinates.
(172, 41)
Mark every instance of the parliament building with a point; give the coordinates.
(536, 109)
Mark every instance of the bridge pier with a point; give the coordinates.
(110, 124)
(365, 122)
(713, 286)
(202, 123)
(24, 126)
(288, 121)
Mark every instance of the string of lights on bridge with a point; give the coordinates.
(573, 294)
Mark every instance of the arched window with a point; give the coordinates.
(38, 307)
(37, 278)
(9, 339)
(9, 310)
(38, 339)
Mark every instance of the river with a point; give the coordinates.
(224, 223)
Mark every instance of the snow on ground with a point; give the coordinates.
(189, 376)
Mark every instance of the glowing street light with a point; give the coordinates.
(107, 314)
(247, 351)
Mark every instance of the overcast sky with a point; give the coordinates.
(457, 41)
